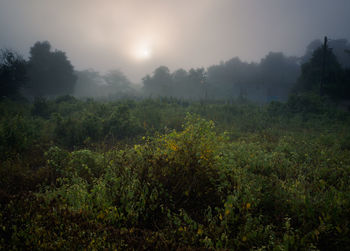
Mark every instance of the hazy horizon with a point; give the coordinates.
(138, 36)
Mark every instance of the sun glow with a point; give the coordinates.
(143, 53)
(145, 45)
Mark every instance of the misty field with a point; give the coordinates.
(175, 125)
(171, 174)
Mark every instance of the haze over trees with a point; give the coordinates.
(12, 73)
(327, 70)
(270, 79)
(88, 84)
(114, 84)
(50, 73)
(274, 78)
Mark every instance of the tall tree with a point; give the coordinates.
(160, 83)
(322, 74)
(12, 73)
(180, 83)
(279, 73)
(50, 72)
(198, 83)
(88, 84)
(118, 84)
(339, 48)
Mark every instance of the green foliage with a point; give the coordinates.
(121, 124)
(79, 175)
(50, 72)
(41, 108)
(323, 75)
(13, 74)
(306, 104)
(17, 135)
(185, 164)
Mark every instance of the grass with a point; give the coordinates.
(144, 175)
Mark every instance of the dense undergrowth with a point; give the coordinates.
(170, 174)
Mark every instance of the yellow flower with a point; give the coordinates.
(227, 211)
(248, 205)
(173, 147)
(200, 231)
(244, 238)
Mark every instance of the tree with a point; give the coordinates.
(197, 80)
(279, 73)
(180, 83)
(232, 79)
(12, 73)
(50, 72)
(88, 84)
(118, 84)
(322, 74)
(339, 48)
(160, 83)
(310, 49)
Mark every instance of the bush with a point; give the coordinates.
(17, 135)
(41, 108)
(186, 164)
(121, 124)
(306, 103)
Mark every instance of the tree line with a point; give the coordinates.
(49, 73)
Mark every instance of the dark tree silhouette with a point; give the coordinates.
(180, 84)
(198, 80)
(339, 48)
(278, 74)
(12, 73)
(50, 73)
(158, 84)
(322, 74)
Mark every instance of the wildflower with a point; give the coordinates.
(173, 147)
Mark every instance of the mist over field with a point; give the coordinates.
(249, 48)
(174, 125)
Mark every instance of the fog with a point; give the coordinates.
(136, 37)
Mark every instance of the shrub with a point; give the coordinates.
(17, 135)
(186, 164)
(41, 108)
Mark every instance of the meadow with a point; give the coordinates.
(170, 174)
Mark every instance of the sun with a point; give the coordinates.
(145, 53)
(142, 52)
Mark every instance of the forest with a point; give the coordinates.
(237, 156)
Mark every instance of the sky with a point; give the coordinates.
(137, 36)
